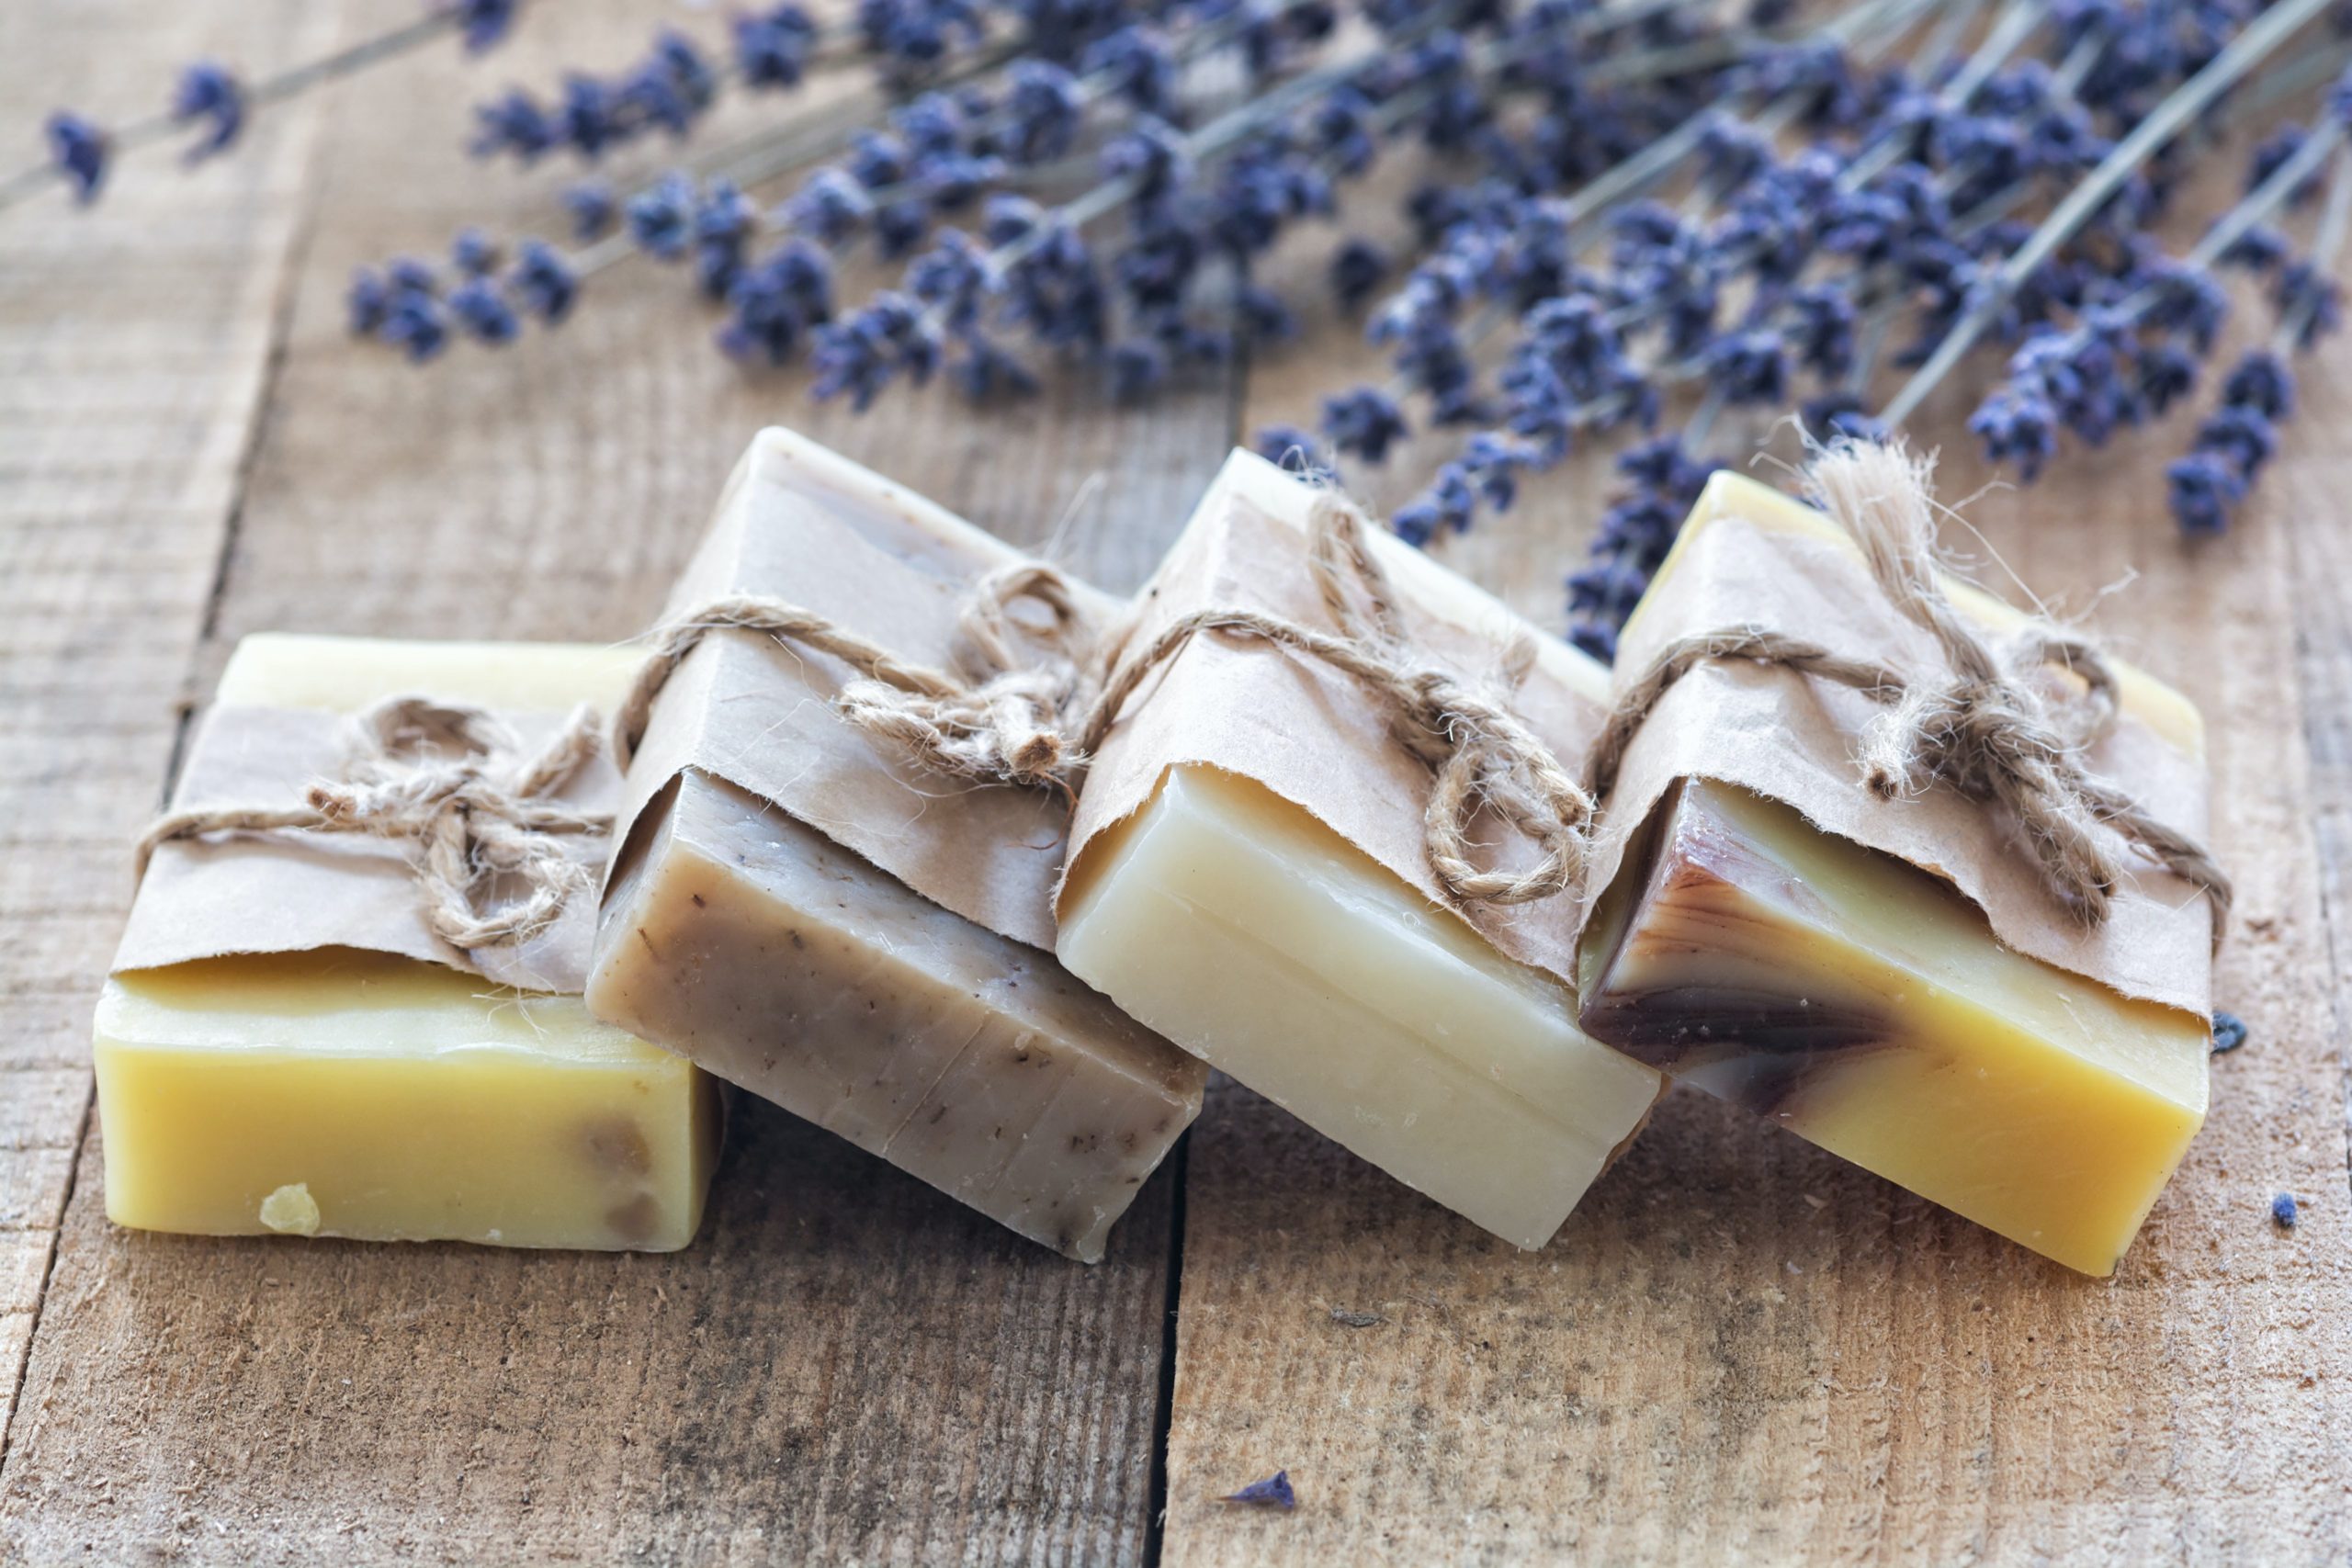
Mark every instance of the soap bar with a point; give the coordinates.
(1868, 1006)
(1246, 926)
(785, 963)
(809, 915)
(379, 1097)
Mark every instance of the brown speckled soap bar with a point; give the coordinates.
(781, 960)
(806, 914)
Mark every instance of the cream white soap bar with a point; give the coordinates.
(1247, 930)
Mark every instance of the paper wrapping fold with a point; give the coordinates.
(1745, 559)
(805, 525)
(1310, 734)
(295, 892)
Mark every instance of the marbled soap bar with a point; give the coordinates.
(382, 1097)
(806, 912)
(785, 963)
(1244, 925)
(1866, 1005)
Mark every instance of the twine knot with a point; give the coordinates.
(1482, 753)
(1004, 718)
(452, 784)
(1981, 724)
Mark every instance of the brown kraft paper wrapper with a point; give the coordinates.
(1311, 734)
(294, 892)
(748, 708)
(1751, 556)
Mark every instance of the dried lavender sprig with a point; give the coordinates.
(84, 152)
(2095, 376)
(2169, 118)
(839, 201)
(669, 215)
(1577, 330)
(2236, 441)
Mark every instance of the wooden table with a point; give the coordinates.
(1738, 1348)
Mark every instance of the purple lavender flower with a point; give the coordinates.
(772, 46)
(1152, 156)
(482, 24)
(413, 322)
(2310, 300)
(79, 150)
(1136, 366)
(1841, 413)
(593, 207)
(1364, 422)
(952, 278)
(473, 253)
(543, 281)
(483, 311)
(1275, 1491)
(724, 222)
(891, 337)
(1748, 366)
(1042, 110)
(517, 124)
(206, 94)
(830, 207)
(775, 303)
(917, 32)
(365, 301)
(2018, 427)
(1358, 268)
(1289, 447)
(2262, 381)
(661, 218)
(1136, 64)
(2203, 489)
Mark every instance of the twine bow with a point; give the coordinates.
(1034, 703)
(1481, 752)
(1979, 724)
(1003, 719)
(453, 786)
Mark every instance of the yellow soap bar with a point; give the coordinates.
(379, 1098)
(1866, 1005)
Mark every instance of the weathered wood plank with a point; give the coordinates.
(1740, 1347)
(133, 345)
(847, 1365)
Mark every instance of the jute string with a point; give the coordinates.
(451, 784)
(1034, 703)
(1002, 719)
(1480, 751)
(1980, 726)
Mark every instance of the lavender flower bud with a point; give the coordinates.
(1364, 422)
(1289, 447)
(482, 24)
(482, 312)
(593, 210)
(2262, 381)
(772, 46)
(79, 150)
(473, 253)
(206, 92)
(662, 218)
(544, 281)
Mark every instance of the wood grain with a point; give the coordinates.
(1739, 1350)
(848, 1365)
(1739, 1347)
(134, 342)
